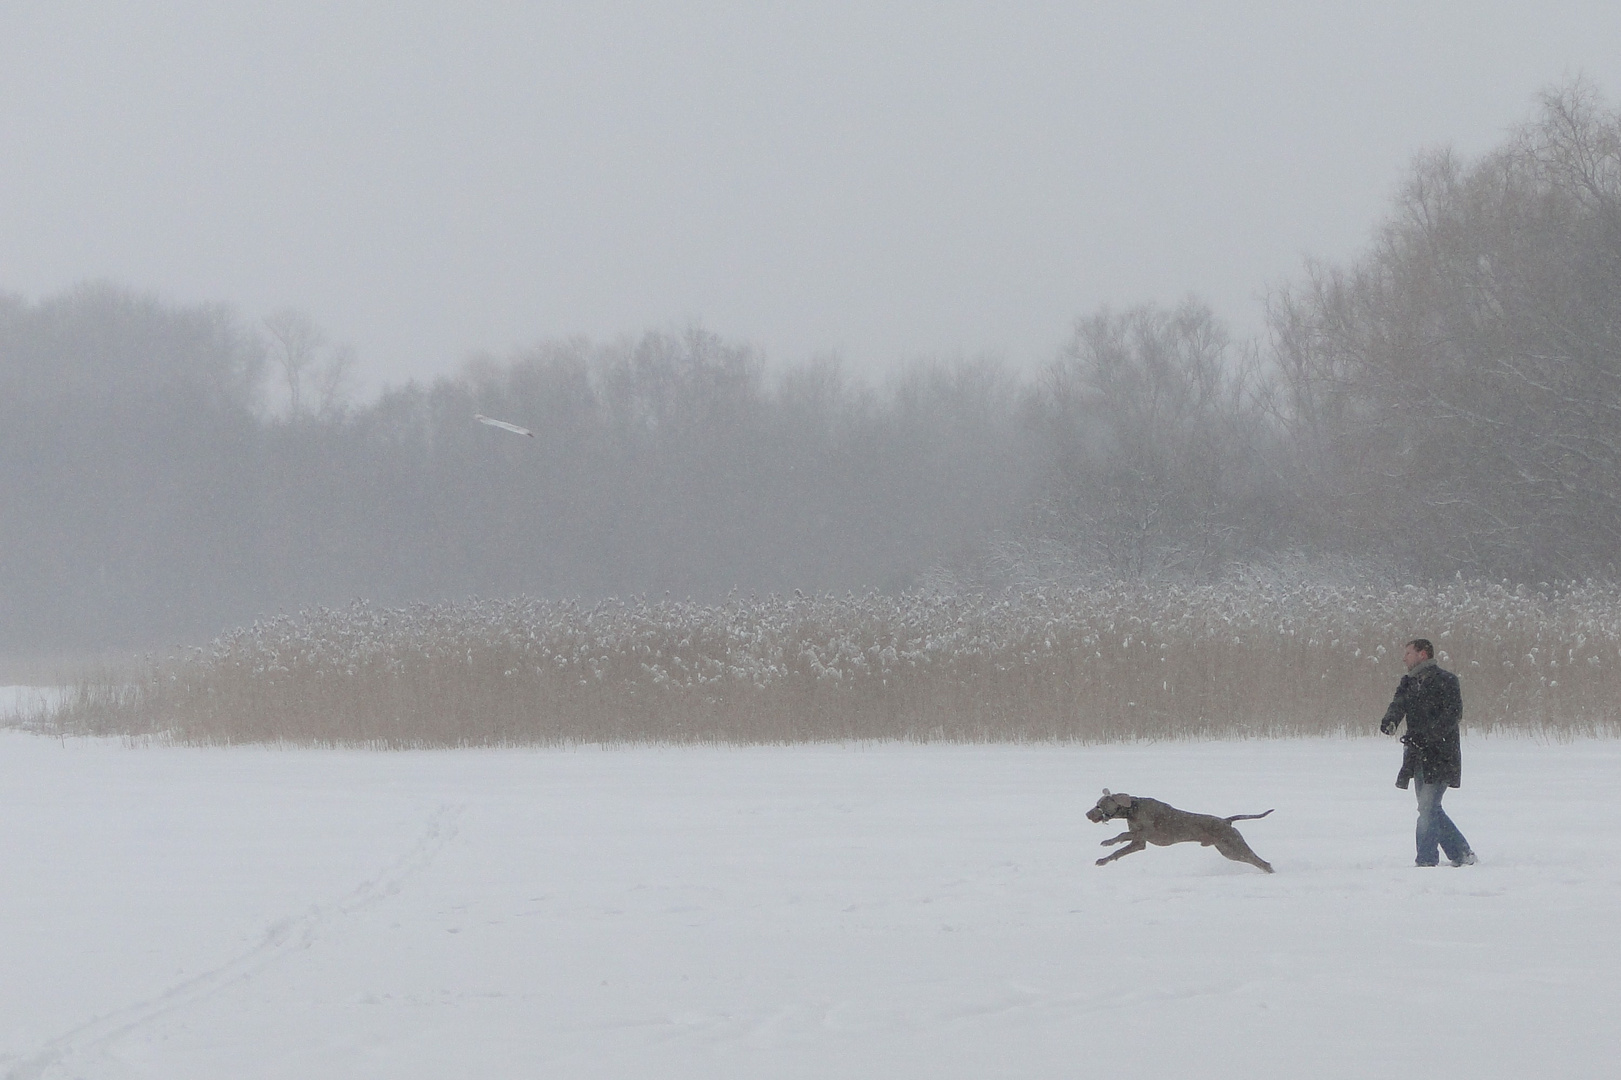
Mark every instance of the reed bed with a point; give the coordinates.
(1107, 663)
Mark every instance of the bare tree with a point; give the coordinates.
(1456, 393)
(1152, 424)
(296, 344)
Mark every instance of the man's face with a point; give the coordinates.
(1412, 657)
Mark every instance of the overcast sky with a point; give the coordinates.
(876, 179)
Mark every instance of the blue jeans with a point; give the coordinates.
(1434, 827)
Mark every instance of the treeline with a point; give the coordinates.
(1450, 402)
(163, 478)
(1454, 397)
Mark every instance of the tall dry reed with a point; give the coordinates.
(1099, 664)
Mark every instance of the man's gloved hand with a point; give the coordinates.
(1388, 726)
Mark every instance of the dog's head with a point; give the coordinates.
(1110, 806)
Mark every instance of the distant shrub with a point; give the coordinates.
(1128, 661)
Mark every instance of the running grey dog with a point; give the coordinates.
(1149, 821)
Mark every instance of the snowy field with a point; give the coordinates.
(829, 911)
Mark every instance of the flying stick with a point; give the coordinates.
(503, 425)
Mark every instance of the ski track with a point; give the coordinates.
(281, 938)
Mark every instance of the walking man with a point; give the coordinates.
(1430, 701)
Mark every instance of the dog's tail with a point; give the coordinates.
(1247, 817)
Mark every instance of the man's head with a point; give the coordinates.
(1417, 651)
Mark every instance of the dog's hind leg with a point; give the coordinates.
(1237, 850)
(1135, 845)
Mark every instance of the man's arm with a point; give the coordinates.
(1398, 707)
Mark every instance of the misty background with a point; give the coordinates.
(939, 298)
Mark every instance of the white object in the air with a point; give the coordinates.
(503, 425)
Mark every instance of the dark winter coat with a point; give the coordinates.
(1431, 702)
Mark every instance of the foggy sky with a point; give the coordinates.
(876, 179)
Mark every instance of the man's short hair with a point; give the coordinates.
(1423, 645)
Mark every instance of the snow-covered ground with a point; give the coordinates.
(831, 911)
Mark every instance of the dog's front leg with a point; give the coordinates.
(1135, 845)
(1117, 839)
